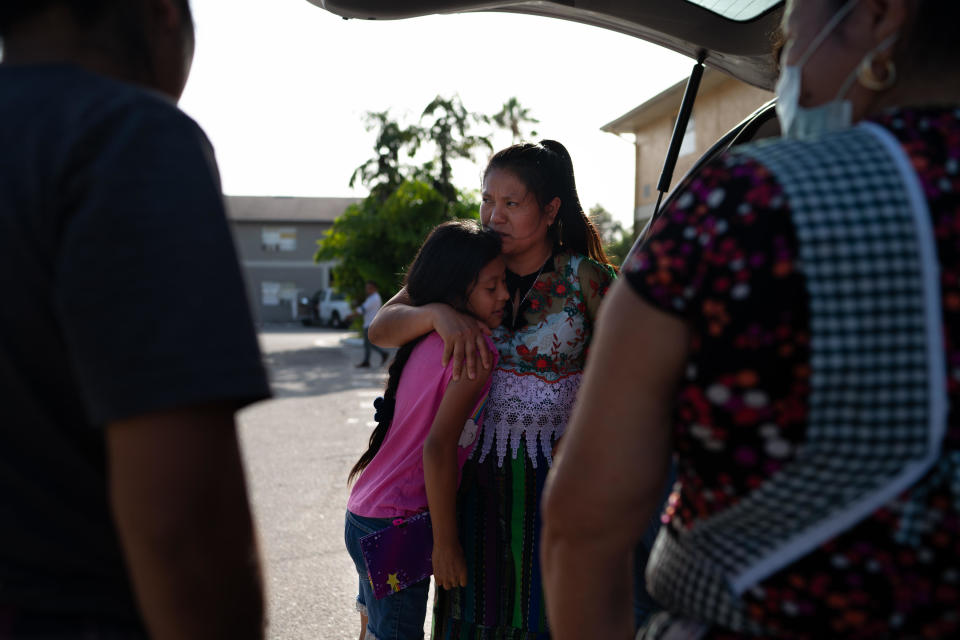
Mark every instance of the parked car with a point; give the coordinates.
(325, 307)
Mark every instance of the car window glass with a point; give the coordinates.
(337, 296)
(739, 10)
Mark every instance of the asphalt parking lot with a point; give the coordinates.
(298, 449)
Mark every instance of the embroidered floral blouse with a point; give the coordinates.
(730, 269)
(542, 358)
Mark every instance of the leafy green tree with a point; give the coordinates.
(610, 230)
(384, 173)
(619, 249)
(616, 240)
(449, 130)
(513, 117)
(376, 240)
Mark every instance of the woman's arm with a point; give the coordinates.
(440, 474)
(609, 474)
(398, 322)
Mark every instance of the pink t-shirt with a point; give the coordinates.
(392, 485)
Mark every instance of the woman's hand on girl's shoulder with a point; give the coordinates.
(462, 336)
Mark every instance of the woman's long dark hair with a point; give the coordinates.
(444, 270)
(547, 170)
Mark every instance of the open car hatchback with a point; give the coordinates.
(732, 36)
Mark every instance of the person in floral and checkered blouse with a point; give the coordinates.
(790, 329)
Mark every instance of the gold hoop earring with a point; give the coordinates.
(868, 78)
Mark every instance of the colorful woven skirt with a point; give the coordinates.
(499, 525)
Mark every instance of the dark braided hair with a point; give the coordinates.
(546, 169)
(444, 270)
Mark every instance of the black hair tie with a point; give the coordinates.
(384, 409)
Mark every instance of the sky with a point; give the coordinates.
(281, 88)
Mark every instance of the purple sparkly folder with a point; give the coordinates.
(400, 555)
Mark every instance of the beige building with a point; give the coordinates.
(276, 239)
(722, 102)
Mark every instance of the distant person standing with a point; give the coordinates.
(124, 508)
(369, 310)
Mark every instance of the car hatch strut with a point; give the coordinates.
(679, 129)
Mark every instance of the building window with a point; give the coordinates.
(275, 293)
(278, 238)
(689, 144)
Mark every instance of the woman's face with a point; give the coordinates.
(510, 209)
(832, 61)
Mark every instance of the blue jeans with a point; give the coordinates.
(399, 616)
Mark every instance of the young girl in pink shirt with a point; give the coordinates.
(424, 432)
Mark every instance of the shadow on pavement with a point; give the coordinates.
(320, 370)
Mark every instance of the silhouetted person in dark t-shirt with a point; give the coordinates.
(122, 495)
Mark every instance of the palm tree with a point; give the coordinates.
(449, 131)
(513, 116)
(384, 173)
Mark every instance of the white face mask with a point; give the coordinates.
(804, 123)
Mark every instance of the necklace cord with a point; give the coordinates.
(519, 305)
